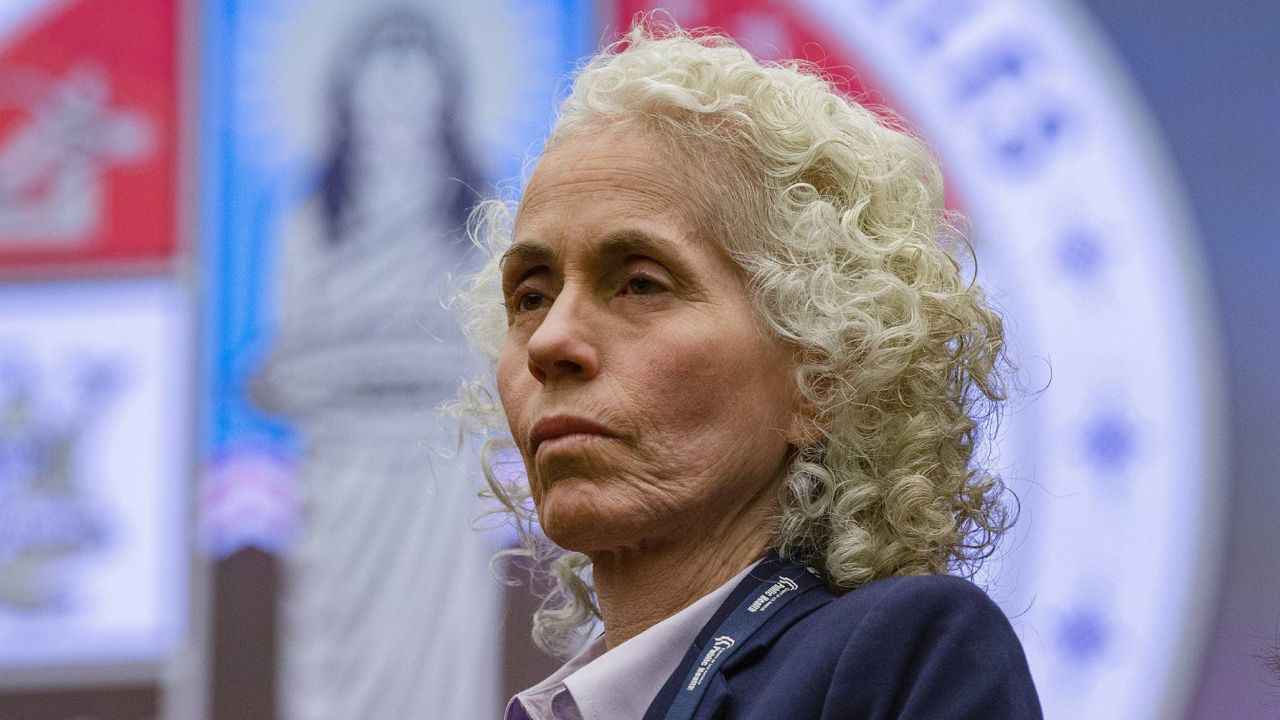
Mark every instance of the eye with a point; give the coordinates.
(528, 301)
(641, 285)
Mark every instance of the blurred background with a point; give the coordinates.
(228, 229)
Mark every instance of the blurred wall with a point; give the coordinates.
(1210, 73)
(1210, 76)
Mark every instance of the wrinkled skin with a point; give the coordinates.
(623, 313)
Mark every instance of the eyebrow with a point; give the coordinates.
(526, 253)
(626, 241)
(629, 241)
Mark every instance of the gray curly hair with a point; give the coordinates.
(836, 218)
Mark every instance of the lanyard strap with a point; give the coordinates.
(779, 588)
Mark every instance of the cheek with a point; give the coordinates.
(714, 394)
(514, 393)
(511, 367)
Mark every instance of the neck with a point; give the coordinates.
(639, 587)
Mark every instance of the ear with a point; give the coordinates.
(803, 429)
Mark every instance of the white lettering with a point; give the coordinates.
(773, 592)
(718, 646)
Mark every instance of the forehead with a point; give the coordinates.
(593, 182)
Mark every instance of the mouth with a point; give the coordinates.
(565, 430)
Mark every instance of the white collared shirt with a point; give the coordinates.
(621, 683)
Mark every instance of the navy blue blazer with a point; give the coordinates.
(910, 648)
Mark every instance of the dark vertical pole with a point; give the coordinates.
(245, 588)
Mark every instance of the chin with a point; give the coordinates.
(577, 515)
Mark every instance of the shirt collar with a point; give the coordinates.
(620, 684)
(549, 699)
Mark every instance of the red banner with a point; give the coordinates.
(88, 143)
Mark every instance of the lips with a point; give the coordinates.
(555, 426)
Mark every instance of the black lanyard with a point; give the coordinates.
(783, 585)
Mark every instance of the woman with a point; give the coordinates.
(745, 377)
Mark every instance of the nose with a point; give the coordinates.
(562, 347)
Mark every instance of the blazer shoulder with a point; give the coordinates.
(920, 647)
(927, 646)
(931, 593)
(904, 620)
(905, 598)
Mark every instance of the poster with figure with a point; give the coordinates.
(87, 135)
(357, 137)
(94, 411)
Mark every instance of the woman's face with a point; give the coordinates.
(644, 398)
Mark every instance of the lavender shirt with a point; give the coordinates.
(621, 683)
